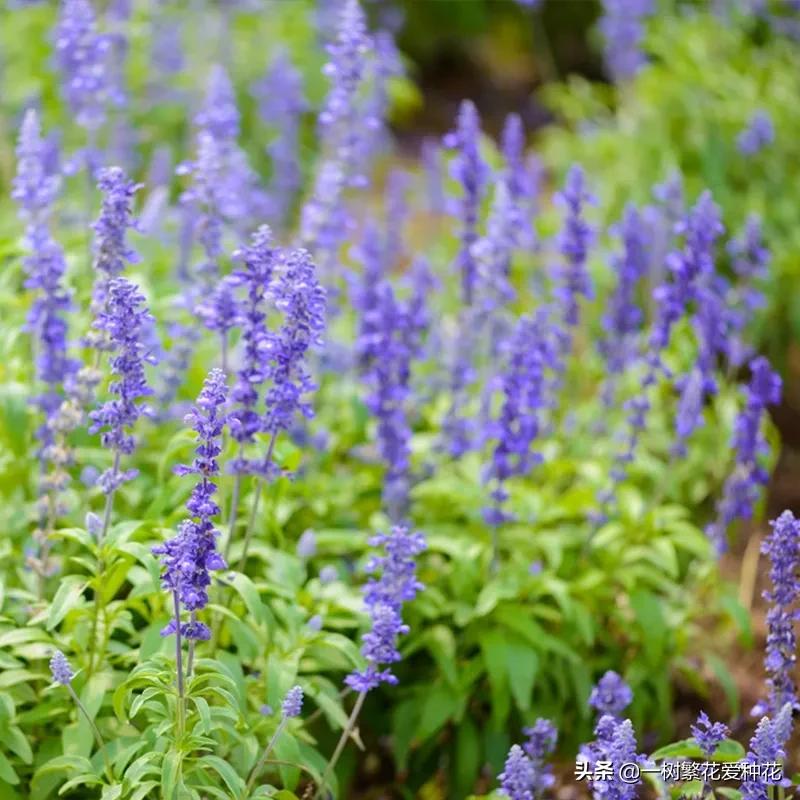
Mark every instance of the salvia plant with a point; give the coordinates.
(329, 473)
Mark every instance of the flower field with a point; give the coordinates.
(343, 457)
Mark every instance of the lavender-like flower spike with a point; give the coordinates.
(258, 261)
(517, 777)
(767, 745)
(741, 489)
(323, 219)
(219, 115)
(432, 164)
(783, 549)
(470, 170)
(301, 299)
(522, 183)
(61, 669)
(385, 597)
(749, 258)
(573, 243)
(758, 134)
(191, 555)
(339, 119)
(125, 322)
(622, 26)
(526, 775)
(281, 103)
(625, 316)
(388, 377)
(611, 696)
(292, 704)
(111, 249)
(82, 56)
(708, 735)
(35, 187)
(615, 743)
(524, 386)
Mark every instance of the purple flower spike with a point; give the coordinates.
(111, 249)
(472, 172)
(35, 187)
(385, 597)
(126, 322)
(191, 555)
(61, 669)
(573, 243)
(82, 56)
(518, 775)
(783, 549)
(758, 134)
(622, 26)
(219, 115)
(301, 300)
(258, 261)
(741, 490)
(611, 695)
(767, 745)
(708, 735)
(624, 317)
(292, 704)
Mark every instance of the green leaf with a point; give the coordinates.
(226, 772)
(67, 597)
(170, 773)
(522, 666)
(7, 772)
(14, 739)
(495, 657)
(246, 589)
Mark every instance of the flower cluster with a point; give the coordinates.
(190, 556)
(611, 695)
(125, 321)
(708, 734)
(768, 744)
(110, 248)
(524, 387)
(622, 26)
(472, 172)
(258, 262)
(526, 774)
(783, 549)
(82, 56)
(385, 596)
(281, 103)
(300, 298)
(615, 743)
(740, 492)
(758, 134)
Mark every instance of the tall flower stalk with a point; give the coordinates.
(35, 189)
(385, 597)
(191, 555)
(125, 322)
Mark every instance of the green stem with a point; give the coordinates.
(100, 742)
(264, 756)
(179, 662)
(254, 510)
(343, 739)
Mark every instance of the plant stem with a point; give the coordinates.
(348, 730)
(254, 510)
(179, 661)
(109, 500)
(267, 750)
(100, 742)
(190, 659)
(237, 490)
